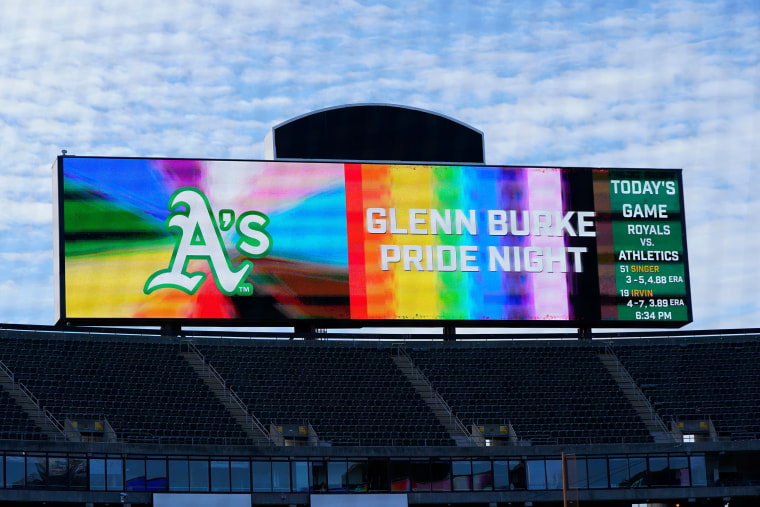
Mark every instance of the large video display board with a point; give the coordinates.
(199, 242)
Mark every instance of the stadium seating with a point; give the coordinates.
(550, 393)
(15, 424)
(142, 389)
(715, 378)
(352, 393)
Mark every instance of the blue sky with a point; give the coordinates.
(613, 84)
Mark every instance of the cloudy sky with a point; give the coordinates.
(674, 84)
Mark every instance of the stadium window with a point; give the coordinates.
(36, 470)
(399, 474)
(318, 476)
(582, 469)
(419, 472)
(240, 476)
(262, 475)
(679, 467)
(336, 475)
(517, 479)
(577, 475)
(554, 474)
(300, 472)
(440, 474)
(619, 472)
(378, 475)
(688, 438)
(659, 473)
(482, 478)
(220, 476)
(178, 474)
(134, 473)
(78, 472)
(597, 473)
(155, 474)
(536, 474)
(637, 469)
(97, 474)
(698, 471)
(114, 474)
(280, 476)
(199, 475)
(357, 476)
(501, 475)
(58, 471)
(461, 471)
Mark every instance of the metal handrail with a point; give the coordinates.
(54, 420)
(32, 398)
(623, 371)
(7, 371)
(255, 423)
(434, 393)
(40, 409)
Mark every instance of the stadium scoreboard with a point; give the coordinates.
(649, 247)
(273, 243)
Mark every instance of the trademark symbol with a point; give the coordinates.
(245, 289)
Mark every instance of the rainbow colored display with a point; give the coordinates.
(272, 243)
(458, 294)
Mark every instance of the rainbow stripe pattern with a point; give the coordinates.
(405, 292)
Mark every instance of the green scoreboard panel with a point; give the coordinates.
(642, 249)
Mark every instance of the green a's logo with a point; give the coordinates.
(200, 237)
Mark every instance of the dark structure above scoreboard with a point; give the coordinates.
(378, 132)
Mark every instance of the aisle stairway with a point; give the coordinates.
(437, 404)
(638, 400)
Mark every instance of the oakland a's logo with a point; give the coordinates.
(200, 237)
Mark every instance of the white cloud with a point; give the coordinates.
(26, 301)
(27, 257)
(14, 185)
(673, 84)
